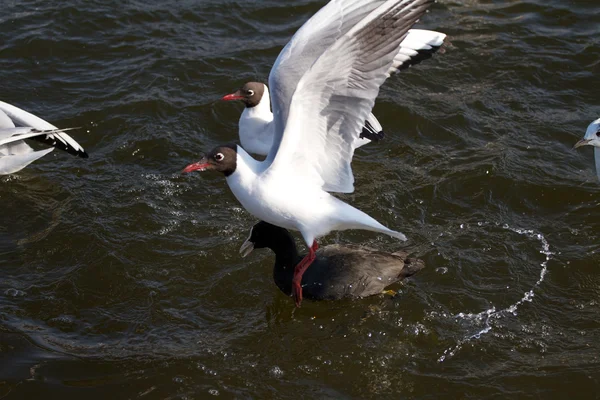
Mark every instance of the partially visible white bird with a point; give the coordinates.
(256, 121)
(15, 154)
(323, 86)
(592, 138)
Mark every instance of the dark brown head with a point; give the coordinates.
(222, 158)
(251, 94)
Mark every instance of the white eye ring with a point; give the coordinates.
(250, 92)
(219, 156)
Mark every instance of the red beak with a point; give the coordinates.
(201, 165)
(233, 96)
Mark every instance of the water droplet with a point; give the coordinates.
(276, 372)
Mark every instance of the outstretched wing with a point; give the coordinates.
(336, 94)
(306, 46)
(58, 139)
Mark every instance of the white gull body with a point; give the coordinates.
(295, 202)
(15, 154)
(256, 126)
(256, 122)
(323, 86)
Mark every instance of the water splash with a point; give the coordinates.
(485, 317)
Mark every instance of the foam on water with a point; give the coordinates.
(485, 317)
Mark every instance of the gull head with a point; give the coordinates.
(592, 136)
(222, 158)
(250, 94)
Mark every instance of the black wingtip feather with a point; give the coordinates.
(421, 56)
(50, 141)
(368, 132)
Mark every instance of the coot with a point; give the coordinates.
(337, 272)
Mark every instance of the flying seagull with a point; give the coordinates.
(256, 121)
(323, 86)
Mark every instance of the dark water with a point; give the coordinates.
(120, 277)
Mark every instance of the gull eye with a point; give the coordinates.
(250, 92)
(598, 133)
(219, 156)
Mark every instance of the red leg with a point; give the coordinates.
(299, 271)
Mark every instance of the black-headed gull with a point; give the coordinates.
(15, 154)
(337, 272)
(256, 121)
(592, 138)
(323, 86)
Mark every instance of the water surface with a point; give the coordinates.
(120, 277)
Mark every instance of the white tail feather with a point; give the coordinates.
(14, 163)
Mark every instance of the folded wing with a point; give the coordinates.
(58, 139)
(14, 153)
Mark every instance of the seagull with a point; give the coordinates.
(323, 86)
(592, 138)
(337, 272)
(256, 121)
(15, 154)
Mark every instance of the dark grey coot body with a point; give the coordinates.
(337, 272)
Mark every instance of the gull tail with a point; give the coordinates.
(394, 234)
(13, 163)
(418, 45)
(353, 218)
